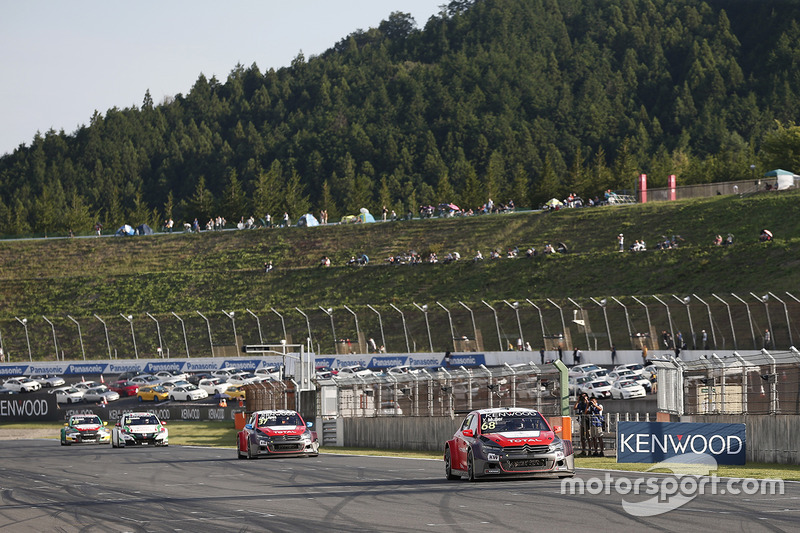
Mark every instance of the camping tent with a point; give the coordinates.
(365, 216)
(307, 220)
(554, 203)
(785, 178)
(125, 230)
(144, 229)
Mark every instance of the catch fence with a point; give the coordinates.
(764, 383)
(443, 392)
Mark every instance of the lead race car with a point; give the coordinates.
(84, 429)
(507, 441)
(276, 433)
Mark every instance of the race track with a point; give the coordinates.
(47, 487)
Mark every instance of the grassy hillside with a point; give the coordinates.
(209, 272)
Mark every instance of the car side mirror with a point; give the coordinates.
(66, 424)
(163, 422)
(248, 426)
(468, 433)
(309, 424)
(557, 429)
(105, 423)
(119, 424)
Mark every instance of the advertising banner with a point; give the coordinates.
(28, 407)
(652, 442)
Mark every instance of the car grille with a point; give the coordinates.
(279, 438)
(282, 447)
(525, 465)
(527, 448)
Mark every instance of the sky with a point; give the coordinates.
(60, 61)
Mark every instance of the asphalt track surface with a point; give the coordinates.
(47, 487)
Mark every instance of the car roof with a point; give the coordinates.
(498, 410)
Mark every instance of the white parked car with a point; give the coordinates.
(636, 368)
(629, 374)
(269, 372)
(353, 370)
(100, 394)
(166, 375)
(244, 378)
(213, 386)
(171, 384)
(48, 380)
(575, 383)
(145, 379)
(86, 385)
(579, 370)
(226, 372)
(187, 393)
(597, 389)
(22, 385)
(68, 395)
(627, 388)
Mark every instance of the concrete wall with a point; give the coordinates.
(770, 438)
(410, 433)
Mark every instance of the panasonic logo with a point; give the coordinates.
(89, 369)
(13, 370)
(698, 444)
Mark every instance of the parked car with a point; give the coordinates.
(124, 388)
(617, 375)
(145, 379)
(187, 393)
(507, 441)
(352, 371)
(236, 392)
(139, 429)
(166, 375)
(636, 368)
(198, 376)
(85, 429)
(225, 373)
(276, 433)
(68, 395)
(575, 383)
(579, 370)
(213, 386)
(48, 380)
(269, 372)
(86, 385)
(100, 394)
(627, 388)
(597, 389)
(22, 384)
(245, 378)
(171, 384)
(152, 393)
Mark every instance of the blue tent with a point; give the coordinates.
(307, 220)
(125, 230)
(365, 216)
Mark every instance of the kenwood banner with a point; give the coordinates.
(28, 407)
(652, 442)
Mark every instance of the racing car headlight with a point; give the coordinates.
(557, 446)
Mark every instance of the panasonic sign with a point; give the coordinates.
(652, 442)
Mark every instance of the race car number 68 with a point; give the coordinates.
(488, 425)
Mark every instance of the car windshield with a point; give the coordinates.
(512, 421)
(141, 420)
(88, 419)
(279, 419)
(596, 384)
(628, 384)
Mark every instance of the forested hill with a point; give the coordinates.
(509, 99)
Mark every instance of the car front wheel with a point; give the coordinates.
(470, 467)
(448, 467)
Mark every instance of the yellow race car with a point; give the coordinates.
(152, 393)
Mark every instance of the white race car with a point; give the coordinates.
(81, 429)
(135, 429)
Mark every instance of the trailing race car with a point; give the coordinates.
(139, 429)
(277, 433)
(81, 429)
(507, 441)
